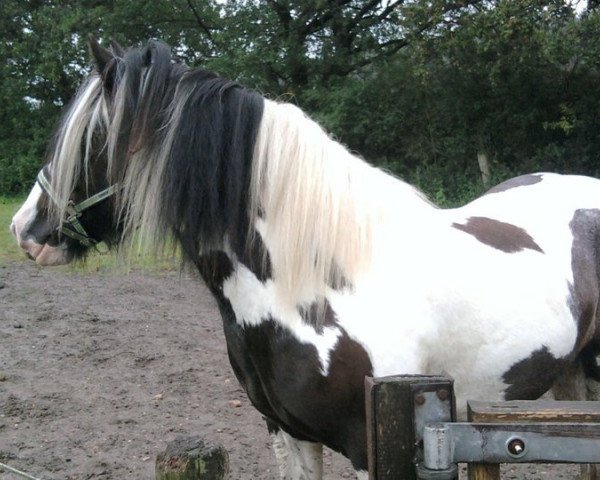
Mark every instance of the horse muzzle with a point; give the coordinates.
(42, 254)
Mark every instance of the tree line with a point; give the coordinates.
(434, 91)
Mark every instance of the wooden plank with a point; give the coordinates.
(371, 427)
(390, 423)
(590, 472)
(533, 411)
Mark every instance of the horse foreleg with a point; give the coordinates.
(297, 459)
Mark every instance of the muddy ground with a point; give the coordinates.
(99, 371)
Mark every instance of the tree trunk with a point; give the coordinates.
(191, 458)
(484, 168)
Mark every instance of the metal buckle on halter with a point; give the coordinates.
(73, 228)
(72, 212)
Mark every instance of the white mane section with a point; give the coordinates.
(321, 205)
(87, 112)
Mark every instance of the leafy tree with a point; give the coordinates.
(291, 46)
(43, 47)
(511, 79)
(419, 87)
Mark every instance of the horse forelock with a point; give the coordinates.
(71, 148)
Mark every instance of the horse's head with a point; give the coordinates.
(73, 205)
(86, 218)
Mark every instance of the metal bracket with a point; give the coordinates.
(445, 444)
(431, 403)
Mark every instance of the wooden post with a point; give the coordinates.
(481, 471)
(530, 411)
(191, 458)
(590, 472)
(484, 168)
(390, 403)
(484, 471)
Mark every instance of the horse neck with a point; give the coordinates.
(322, 206)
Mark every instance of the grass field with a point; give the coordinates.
(8, 247)
(96, 261)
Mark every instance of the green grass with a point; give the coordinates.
(97, 261)
(8, 247)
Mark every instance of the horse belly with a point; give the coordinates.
(500, 325)
(509, 332)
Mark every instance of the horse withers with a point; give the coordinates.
(325, 269)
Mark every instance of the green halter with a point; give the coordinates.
(71, 226)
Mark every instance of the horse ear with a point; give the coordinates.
(147, 54)
(101, 55)
(117, 49)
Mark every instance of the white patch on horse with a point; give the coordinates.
(26, 213)
(297, 460)
(462, 306)
(458, 306)
(254, 302)
(43, 254)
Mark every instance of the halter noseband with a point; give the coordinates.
(71, 226)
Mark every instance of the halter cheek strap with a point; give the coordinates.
(71, 226)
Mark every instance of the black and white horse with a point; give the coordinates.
(325, 269)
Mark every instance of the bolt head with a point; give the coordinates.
(419, 399)
(443, 394)
(516, 447)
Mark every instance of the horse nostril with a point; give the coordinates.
(13, 228)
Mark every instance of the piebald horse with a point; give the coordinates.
(325, 269)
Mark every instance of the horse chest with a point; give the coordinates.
(286, 380)
(308, 381)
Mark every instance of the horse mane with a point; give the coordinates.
(66, 158)
(213, 164)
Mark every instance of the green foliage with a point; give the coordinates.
(417, 87)
(511, 79)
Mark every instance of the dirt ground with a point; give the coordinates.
(99, 371)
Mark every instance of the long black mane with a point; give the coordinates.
(204, 127)
(212, 155)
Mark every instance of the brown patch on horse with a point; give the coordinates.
(522, 181)
(301, 399)
(499, 235)
(530, 378)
